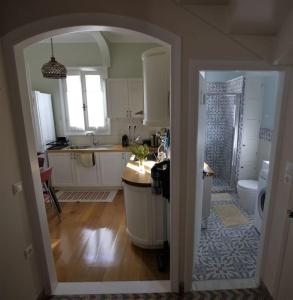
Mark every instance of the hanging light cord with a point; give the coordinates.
(52, 50)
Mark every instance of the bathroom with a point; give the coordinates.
(239, 115)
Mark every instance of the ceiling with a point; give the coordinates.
(246, 17)
(112, 37)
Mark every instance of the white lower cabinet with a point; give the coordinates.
(62, 173)
(69, 172)
(111, 167)
(85, 176)
(146, 216)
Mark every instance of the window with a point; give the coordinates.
(85, 101)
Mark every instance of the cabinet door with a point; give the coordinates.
(111, 166)
(156, 75)
(135, 100)
(285, 286)
(85, 176)
(117, 94)
(62, 173)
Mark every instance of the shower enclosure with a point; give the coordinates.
(224, 118)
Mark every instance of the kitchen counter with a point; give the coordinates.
(133, 176)
(98, 148)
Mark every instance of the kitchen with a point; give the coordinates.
(92, 241)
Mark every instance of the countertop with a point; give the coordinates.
(133, 176)
(98, 148)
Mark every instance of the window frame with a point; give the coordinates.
(82, 72)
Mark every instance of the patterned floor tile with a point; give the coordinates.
(227, 252)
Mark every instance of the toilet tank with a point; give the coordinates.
(264, 171)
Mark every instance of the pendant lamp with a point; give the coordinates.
(53, 69)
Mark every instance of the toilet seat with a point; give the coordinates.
(248, 184)
(247, 191)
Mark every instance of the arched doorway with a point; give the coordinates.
(14, 44)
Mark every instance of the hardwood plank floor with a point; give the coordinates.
(91, 244)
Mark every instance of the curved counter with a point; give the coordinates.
(146, 213)
(133, 176)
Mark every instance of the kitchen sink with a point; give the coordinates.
(76, 147)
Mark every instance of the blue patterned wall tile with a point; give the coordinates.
(224, 100)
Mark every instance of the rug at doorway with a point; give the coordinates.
(86, 196)
(230, 215)
(221, 197)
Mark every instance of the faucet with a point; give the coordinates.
(94, 142)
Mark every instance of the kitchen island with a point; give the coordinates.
(146, 213)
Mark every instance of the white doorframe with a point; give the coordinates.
(13, 45)
(194, 67)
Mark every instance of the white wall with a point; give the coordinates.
(125, 63)
(20, 278)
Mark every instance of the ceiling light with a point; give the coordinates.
(53, 69)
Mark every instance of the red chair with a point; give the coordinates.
(45, 179)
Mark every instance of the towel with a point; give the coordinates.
(87, 159)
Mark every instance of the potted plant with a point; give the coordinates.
(140, 152)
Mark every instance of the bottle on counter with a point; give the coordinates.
(125, 141)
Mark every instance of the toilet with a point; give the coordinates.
(248, 191)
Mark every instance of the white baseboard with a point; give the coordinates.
(207, 285)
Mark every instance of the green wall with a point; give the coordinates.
(126, 59)
(125, 63)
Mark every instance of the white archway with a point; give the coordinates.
(103, 46)
(14, 43)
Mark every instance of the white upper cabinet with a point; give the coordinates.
(117, 95)
(125, 97)
(156, 77)
(135, 99)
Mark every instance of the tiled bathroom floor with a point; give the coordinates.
(227, 252)
(220, 185)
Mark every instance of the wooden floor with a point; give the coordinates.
(91, 244)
